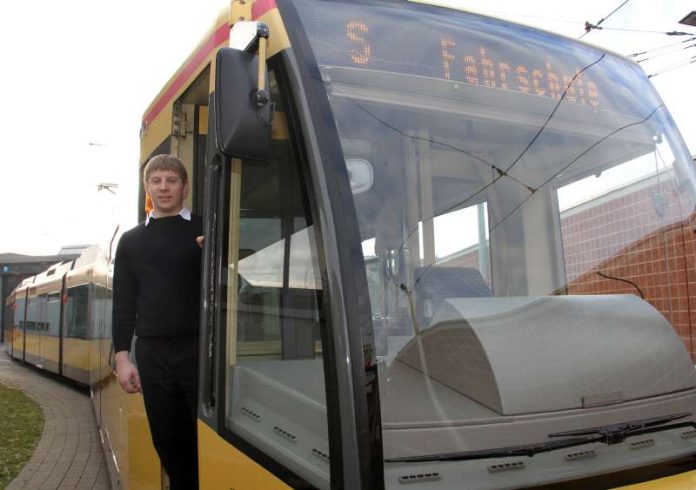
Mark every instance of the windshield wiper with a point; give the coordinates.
(616, 433)
(606, 434)
(500, 452)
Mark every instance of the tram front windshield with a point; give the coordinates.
(523, 203)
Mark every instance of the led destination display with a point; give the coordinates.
(470, 49)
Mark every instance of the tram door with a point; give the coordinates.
(50, 333)
(101, 360)
(31, 328)
(19, 324)
(271, 391)
(10, 315)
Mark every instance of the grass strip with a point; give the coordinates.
(21, 424)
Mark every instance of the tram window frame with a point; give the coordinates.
(294, 157)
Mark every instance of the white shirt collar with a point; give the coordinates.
(184, 213)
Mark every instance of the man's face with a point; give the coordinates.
(167, 191)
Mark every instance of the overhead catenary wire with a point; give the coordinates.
(677, 65)
(589, 27)
(666, 53)
(572, 162)
(641, 53)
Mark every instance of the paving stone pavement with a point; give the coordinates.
(69, 454)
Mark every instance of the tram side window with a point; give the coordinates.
(258, 333)
(53, 313)
(77, 312)
(33, 320)
(275, 382)
(100, 326)
(19, 312)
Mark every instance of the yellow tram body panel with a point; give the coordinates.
(31, 343)
(50, 352)
(42, 350)
(127, 436)
(17, 343)
(76, 353)
(223, 466)
(144, 464)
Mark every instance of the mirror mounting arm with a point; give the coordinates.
(262, 95)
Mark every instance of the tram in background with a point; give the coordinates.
(60, 321)
(56, 313)
(442, 251)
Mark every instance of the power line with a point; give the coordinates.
(680, 64)
(589, 27)
(666, 53)
(572, 162)
(553, 112)
(640, 53)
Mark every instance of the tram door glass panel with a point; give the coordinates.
(53, 313)
(19, 320)
(101, 324)
(77, 312)
(275, 391)
(33, 322)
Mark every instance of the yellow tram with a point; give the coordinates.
(442, 251)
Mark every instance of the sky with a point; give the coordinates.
(78, 75)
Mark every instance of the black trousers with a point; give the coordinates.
(168, 368)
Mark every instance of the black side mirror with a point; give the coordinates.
(243, 113)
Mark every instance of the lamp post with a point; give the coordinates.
(107, 186)
(107, 203)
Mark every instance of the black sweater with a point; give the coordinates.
(157, 276)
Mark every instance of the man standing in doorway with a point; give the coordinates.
(156, 296)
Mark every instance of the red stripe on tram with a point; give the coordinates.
(220, 35)
(260, 7)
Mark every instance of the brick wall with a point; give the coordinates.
(641, 234)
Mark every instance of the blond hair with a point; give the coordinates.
(165, 162)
